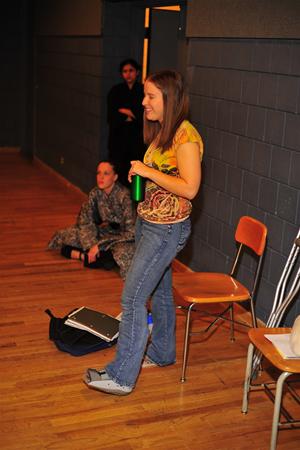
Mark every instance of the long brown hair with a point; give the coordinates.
(176, 107)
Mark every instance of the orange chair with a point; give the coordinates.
(286, 367)
(197, 288)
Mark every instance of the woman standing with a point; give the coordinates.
(172, 165)
(125, 119)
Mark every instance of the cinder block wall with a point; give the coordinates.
(68, 98)
(11, 83)
(245, 100)
(73, 76)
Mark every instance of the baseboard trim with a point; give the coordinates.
(10, 149)
(41, 164)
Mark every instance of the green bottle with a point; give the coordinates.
(137, 188)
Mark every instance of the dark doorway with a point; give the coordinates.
(165, 42)
(163, 49)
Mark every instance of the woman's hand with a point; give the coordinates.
(92, 253)
(138, 168)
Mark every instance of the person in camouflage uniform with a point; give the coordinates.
(105, 224)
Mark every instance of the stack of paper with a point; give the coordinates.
(282, 344)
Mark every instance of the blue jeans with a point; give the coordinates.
(149, 275)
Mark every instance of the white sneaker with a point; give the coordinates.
(148, 363)
(99, 379)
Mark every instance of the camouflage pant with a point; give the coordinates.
(122, 250)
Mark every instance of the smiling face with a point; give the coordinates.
(106, 177)
(153, 102)
(129, 74)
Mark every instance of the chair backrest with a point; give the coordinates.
(252, 233)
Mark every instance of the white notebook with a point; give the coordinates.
(282, 344)
(98, 323)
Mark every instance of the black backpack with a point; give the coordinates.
(72, 340)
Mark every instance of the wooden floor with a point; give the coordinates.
(45, 404)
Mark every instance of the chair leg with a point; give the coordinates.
(186, 342)
(277, 406)
(253, 315)
(248, 375)
(231, 323)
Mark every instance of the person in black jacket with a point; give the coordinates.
(125, 119)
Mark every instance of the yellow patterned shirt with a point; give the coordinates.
(161, 206)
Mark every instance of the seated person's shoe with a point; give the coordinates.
(105, 261)
(66, 251)
(99, 379)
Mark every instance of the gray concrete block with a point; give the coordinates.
(214, 233)
(239, 118)
(292, 132)
(214, 139)
(267, 90)
(275, 121)
(287, 93)
(200, 226)
(268, 196)
(233, 85)
(295, 170)
(205, 52)
(248, 262)
(275, 227)
(202, 81)
(251, 184)
(219, 171)
(209, 111)
(234, 182)
(287, 203)
(209, 200)
(220, 83)
(228, 244)
(239, 209)
(229, 148)
(256, 122)
(250, 87)
(276, 266)
(224, 207)
(203, 259)
(262, 55)
(245, 148)
(281, 57)
(298, 209)
(261, 158)
(237, 54)
(265, 299)
(196, 107)
(295, 68)
(207, 172)
(289, 236)
(280, 165)
(224, 115)
(266, 262)
(220, 262)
